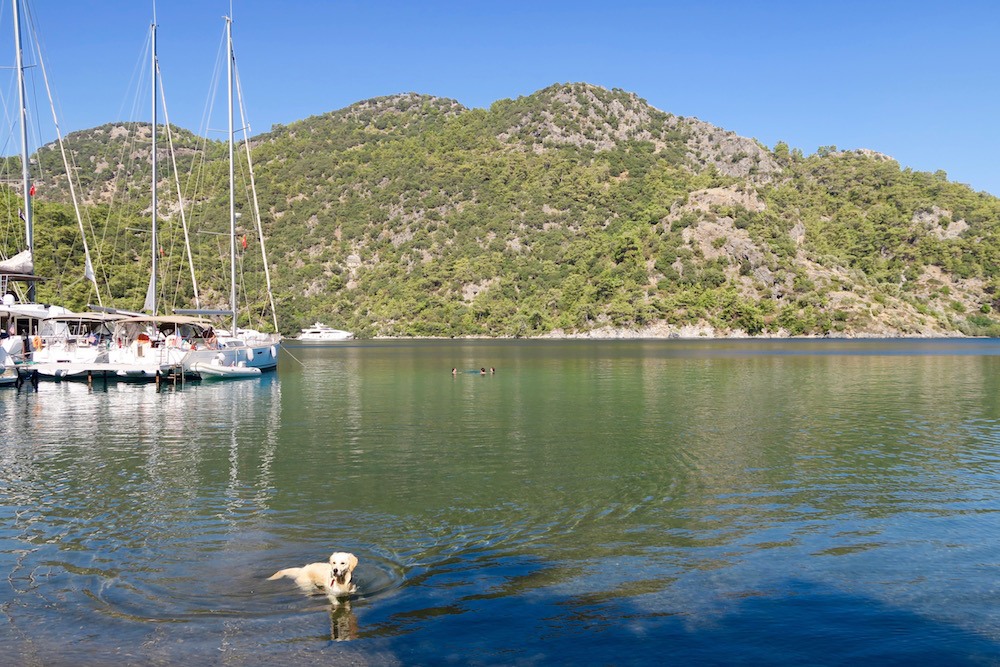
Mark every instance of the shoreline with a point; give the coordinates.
(698, 332)
(684, 336)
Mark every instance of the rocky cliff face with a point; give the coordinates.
(583, 115)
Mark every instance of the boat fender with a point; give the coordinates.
(274, 351)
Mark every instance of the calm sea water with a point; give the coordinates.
(627, 503)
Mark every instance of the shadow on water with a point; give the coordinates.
(802, 623)
(519, 622)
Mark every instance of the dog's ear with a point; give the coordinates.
(352, 561)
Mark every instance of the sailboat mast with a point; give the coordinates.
(152, 297)
(29, 231)
(232, 177)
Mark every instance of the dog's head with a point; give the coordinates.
(341, 566)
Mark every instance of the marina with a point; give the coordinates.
(43, 341)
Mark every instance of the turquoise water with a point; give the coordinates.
(618, 502)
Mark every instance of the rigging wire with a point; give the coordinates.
(122, 162)
(255, 204)
(198, 179)
(12, 235)
(71, 173)
(117, 233)
(198, 171)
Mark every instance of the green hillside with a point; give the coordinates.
(573, 211)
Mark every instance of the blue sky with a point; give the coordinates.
(917, 80)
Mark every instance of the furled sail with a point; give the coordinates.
(149, 305)
(19, 263)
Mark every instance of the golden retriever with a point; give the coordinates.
(332, 578)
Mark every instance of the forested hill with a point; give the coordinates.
(576, 210)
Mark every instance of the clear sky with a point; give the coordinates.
(914, 79)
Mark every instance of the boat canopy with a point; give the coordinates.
(182, 325)
(77, 324)
(166, 319)
(85, 317)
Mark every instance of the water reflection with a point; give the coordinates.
(580, 502)
(343, 623)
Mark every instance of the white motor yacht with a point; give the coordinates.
(320, 332)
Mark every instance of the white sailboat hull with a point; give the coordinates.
(108, 371)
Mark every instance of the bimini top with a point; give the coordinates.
(165, 319)
(86, 317)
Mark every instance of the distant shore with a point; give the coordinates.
(663, 332)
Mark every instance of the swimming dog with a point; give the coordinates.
(332, 578)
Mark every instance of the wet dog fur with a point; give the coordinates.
(333, 578)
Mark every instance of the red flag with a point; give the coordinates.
(32, 190)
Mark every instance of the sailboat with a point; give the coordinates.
(240, 352)
(21, 318)
(147, 347)
(120, 345)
